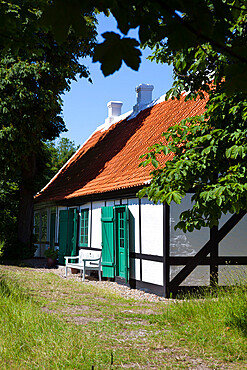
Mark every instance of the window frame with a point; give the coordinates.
(85, 226)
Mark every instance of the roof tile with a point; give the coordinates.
(109, 159)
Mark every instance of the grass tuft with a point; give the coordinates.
(52, 323)
(216, 322)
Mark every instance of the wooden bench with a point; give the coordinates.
(86, 261)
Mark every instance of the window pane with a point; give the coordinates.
(36, 227)
(44, 227)
(84, 227)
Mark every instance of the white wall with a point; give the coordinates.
(199, 276)
(234, 243)
(152, 272)
(96, 224)
(135, 269)
(133, 205)
(231, 275)
(189, 243)
(151, 228)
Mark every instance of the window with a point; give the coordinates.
(84, 228)
(44, 227)
(36, 227)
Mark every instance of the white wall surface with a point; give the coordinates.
(151, 227)
(96, 224)
(135, 269)
(199, 276)
(134, 225)
(185, 244)
(231, 275)
(234, 243)
(152, 272)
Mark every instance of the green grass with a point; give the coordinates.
(215, 323)
(51, 323)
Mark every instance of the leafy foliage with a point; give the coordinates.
(209, 152)
(55, 155)
(32, 80)
(204, 40)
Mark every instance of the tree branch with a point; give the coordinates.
(200, 35)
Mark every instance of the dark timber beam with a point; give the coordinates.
(206, 249)
(226, 260)
(214, 253)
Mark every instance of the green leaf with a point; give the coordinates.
(114, 50)
(155, 163)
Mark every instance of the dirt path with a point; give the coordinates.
(123, 313)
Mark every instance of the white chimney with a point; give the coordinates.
(114, 110)
(144, 96)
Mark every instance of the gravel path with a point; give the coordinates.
(124, 291)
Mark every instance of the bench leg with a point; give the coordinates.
(65, 271)
(99, 272)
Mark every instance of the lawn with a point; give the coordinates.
(47, 322)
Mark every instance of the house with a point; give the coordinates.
(91, 203)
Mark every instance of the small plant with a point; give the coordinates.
(51, 253)
(2, 244)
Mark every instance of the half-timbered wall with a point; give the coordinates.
(233, 244)
(163, 259)
(187, 245)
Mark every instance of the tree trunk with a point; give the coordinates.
(25, 217)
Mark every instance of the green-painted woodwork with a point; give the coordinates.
(115, 242)
(108, 255)
(122, 242)
(72, 232)
(63, 235)
(84, 227)
(67, 234)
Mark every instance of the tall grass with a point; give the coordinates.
(31, 339)
(214, 322)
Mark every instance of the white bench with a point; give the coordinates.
(86, 261)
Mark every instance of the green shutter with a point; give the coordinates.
(127, 265)
(107, 221)
(72, 232)
(122, 242)
(67, 234)
(63, 236)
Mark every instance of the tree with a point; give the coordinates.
(209, 151)
(56, 155)
(31, 85)
(205, 41)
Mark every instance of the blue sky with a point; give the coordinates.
(85, 106)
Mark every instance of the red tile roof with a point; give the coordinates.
(109, 159)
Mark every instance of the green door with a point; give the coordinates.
(115, 242)
(108, 241)
(72, 232)
(52, 229)
(122, 242)
(67, 234)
